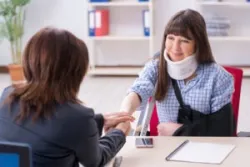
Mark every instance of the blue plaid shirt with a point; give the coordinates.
(209, 91)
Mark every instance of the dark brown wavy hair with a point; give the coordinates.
(54, 63)
(190, 24)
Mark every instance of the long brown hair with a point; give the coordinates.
(184, 23)
(54, 63)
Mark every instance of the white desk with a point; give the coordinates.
(155, 157)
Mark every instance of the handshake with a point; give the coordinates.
(118, 120)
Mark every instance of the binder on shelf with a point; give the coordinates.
(143, 0)
(91, 21)
(146, 24)
(98, 22)
(101, 22)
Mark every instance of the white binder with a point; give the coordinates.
(91, 21)
(146, 22)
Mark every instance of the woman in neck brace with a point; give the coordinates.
(203, 106)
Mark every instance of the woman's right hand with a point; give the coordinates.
(125, 127)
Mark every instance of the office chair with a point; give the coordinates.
(15, 155)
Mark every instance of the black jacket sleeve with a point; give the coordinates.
(100, 122)
(220, 123)
(93, 151)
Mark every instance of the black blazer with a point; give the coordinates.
(70, 137)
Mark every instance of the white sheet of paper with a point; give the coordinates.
(201, 152)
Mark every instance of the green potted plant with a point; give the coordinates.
(12, 13)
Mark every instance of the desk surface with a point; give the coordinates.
(154, 157)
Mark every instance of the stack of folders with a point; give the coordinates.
(98, 22)
(217, 25)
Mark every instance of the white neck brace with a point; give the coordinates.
(181, 69)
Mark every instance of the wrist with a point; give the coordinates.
(121, 130)
(118, 131)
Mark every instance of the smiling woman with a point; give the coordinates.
(188, 85)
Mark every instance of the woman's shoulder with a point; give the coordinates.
(215, 67)
(80, 110)
(216, 71)
(6, 92)
(151, 67)
(152, 63)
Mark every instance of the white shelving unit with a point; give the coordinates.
(230, 38)
(224, 3)
(95, 48)
(120, 3)
(126, 71)
(120, 38)
(229, 48)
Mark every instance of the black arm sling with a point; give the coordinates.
(195, 123)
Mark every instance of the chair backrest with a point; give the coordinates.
(237, 74)
(15, 154)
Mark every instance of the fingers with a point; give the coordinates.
(161, 129)
(120, 114)
(124, 119)
(160, 126)
(113, 121)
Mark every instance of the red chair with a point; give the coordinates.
(237, 74)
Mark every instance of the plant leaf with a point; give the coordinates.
(7, 9)
(3, 32)
(20, 2)
(1, 7)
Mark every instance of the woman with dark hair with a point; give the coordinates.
(46, 113)
(192, 92)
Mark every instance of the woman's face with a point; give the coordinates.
(179, 47)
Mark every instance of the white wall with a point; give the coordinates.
(68, 14)
(164, 9)
(72, 15)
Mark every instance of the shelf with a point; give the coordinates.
(123, 3)
(229, 38)
(126, 37)
(236, 4)
(115, 71)
(119, 38)
(246, 71)
(134, 71)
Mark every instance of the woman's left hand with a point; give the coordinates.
(167, 129)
